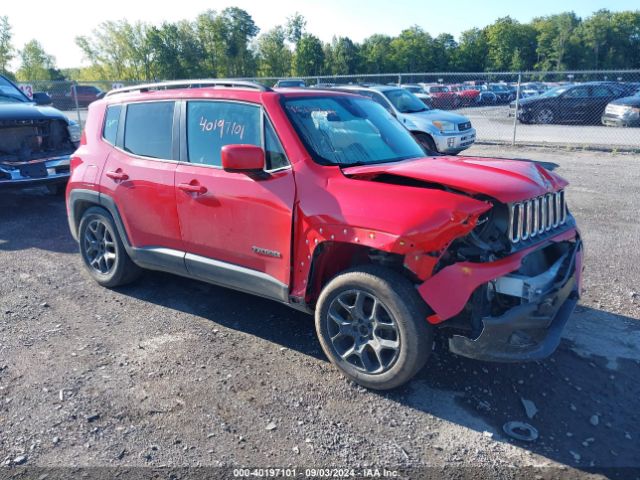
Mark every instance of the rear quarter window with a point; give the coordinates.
(111, 121)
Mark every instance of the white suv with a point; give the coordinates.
(436, 130)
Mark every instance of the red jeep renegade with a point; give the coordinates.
(325, 202)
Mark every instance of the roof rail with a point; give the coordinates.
(203, 83)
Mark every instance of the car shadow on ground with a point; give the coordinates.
(569, 390)
(48, 212)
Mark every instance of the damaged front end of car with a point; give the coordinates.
(34, 151)
(505, 292)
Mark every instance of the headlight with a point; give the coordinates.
(75, 131)
(444, 126)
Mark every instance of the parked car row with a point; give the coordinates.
(323, 200)
(583, 103)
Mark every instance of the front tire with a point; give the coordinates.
(427, 143)
(102, 250)
(372, 325)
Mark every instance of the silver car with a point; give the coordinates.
(436, 130)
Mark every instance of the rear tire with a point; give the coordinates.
(102, 250)
(372, 325)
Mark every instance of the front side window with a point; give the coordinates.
(579, 92)
(212, 125)
(110, 131)
(349, 131)
(148, 129)
(274, 153)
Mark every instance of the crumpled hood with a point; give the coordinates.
(29, 111)
(422, 120)
(505, 180)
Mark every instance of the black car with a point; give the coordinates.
(36, 140)
(503, 93)
(290, 83)
(623, 112)
(578, 103)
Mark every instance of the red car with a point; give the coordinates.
(441, 96)
(65, 100)
(466, 97)
(323, 201)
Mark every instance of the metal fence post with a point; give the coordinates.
(74, 89)
(515, 115)
(399, 80)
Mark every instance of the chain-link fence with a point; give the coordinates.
(580, 109)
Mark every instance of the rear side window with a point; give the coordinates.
(110, 131)
(211, 125)
(148, 129)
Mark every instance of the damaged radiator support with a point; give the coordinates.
(24, 140)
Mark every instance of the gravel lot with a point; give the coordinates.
(179, 373)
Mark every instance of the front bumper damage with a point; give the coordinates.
(531, 328)
(35, 172)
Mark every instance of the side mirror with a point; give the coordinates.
(42, 98)
(243, 158)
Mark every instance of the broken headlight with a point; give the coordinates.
(75, 132)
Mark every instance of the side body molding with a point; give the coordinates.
(177, 262)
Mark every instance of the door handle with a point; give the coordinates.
(117, 175)
(190, 188)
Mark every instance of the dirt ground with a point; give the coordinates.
(173, 372)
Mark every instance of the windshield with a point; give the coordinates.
(439, 89)
(349, 131)
(9, 93)
(413, 89)
(554, 92)
(404, 101)
(290, 83)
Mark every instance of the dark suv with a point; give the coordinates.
(323, 201)
(36, 140)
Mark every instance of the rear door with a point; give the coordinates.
(139, 174)
(237, 228)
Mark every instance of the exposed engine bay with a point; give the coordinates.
(25, 140)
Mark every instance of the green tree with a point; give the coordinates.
(473, 49)
(342, 57)
(557, 45)
(296, 27)
(6, 48)
(119, 50)
(36, 64)
(274, 56)
(376, 54)
(240, 29)
(444, 46)
(308, 59)
(506, 35)
(413, 50)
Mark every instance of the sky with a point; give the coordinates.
(56, 24)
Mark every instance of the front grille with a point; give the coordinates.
(464, 126)
(536, 216)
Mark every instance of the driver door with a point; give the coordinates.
(236, 227)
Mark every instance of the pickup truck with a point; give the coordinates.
(36, 140)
